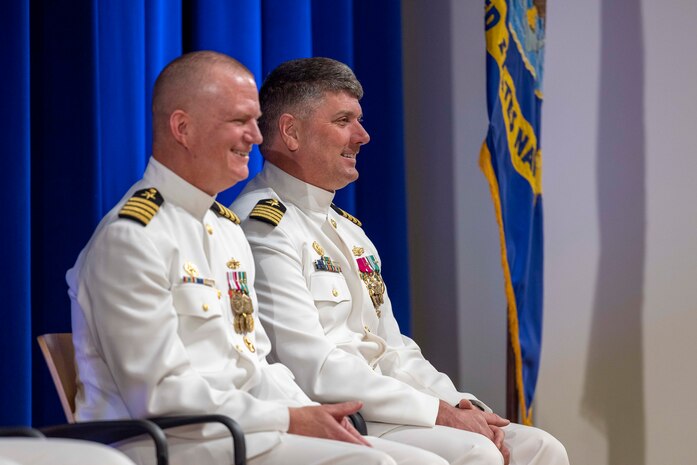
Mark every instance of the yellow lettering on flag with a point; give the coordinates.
(496, 31)
(522, 142)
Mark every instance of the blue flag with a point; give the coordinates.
(511, 161)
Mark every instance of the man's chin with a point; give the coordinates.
(348, 179)
(239, 175)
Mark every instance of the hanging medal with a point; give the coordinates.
(240, 302)
(370, 274)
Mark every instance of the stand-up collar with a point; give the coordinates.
(300, 193)
(176, 190)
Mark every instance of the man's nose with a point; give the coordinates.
(361, 136)
(254, 135)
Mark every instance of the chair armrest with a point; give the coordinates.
(239, 447)
(108, 432)
(20, 431)
(359, 423)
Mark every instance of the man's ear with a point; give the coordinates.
(288, 127)
(179, 126)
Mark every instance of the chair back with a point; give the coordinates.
(59, 354)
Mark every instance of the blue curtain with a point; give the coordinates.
(75, 118)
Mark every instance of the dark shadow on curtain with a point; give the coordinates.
(614, 391)
(380, 192)
(15, 246)
(66, 190)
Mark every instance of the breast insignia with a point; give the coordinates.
(348, 216)
(142, 206)
(269, 211)
(225, 212)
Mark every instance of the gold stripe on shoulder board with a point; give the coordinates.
(348, 216)
(142, 206)
(269, 211)
(225, 212)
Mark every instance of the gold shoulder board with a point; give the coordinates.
(348, 216)
(142, 206)
(225, 212)
(269, 211)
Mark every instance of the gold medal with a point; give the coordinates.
(233, 264)
(370, 274)
(241, 303)
(243, 324)
(376, 289)
(242, 310)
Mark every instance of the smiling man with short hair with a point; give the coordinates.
(322, 298)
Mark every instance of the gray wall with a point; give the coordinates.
(459, 308)
(618, 374)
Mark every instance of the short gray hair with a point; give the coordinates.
(296, 84)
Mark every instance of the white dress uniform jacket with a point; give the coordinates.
(152, 323)
(321, 320)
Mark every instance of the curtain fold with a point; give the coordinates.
(66, 184)
(15, 250)
(233, 28)
(381, 189)
(334, 39)
(76, 120)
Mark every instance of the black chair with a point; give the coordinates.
(59, 353)
(359, 423)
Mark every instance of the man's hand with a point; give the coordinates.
(466, 417)
(498, 441)
(327, 421)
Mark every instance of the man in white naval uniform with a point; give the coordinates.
(163, 302)
(322, 299)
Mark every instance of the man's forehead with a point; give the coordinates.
(339, 102)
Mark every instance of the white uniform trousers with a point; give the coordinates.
(528, 445)
(292, 450)
(34, 451)
(300, 450)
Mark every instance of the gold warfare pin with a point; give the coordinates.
(190, 269)
(318, 248)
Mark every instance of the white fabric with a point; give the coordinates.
(317, 452)
(324, 327)
(336, 345)
(32, 451)
(292, 450)
(527, 445)
(148, 344)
